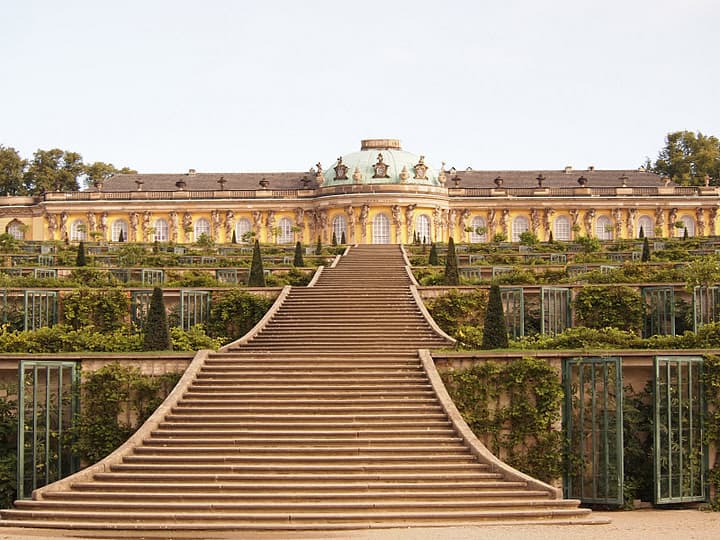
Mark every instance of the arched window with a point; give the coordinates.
(339, 228)
(603, 228)
(519, 225)
(285, 235)
(381, 229)
(242, 227)
(646, 224)
(118, 226)
(161, 230)
(422, 228)
(689, 225)
(561, 229)
(78, 230)
(202, 226)
(16, 229)
(475, 236)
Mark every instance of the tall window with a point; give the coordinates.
(242, 227)
(161, 230)
(16, 229)
(339, 227)
(202, 226)
(286, 234)
(475, 236)
(422, 228)
(561, 229)
(604, 228)
(689, 225)
(78, 230)
(118, 226)
(519, 225)
(646, 223)
(381, 229)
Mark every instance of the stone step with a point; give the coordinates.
(336, 452)
(303, 442)
(269, 434)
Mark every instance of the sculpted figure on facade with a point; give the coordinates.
(173, 226)
(700, 218)
(672, 220)
(63, 226)
(229, 225)
(491, 223)
(505, 223)
(364, 212)
(134, 219)
(452, 223)
(588, 221)
(104, 224)
(437, 221)
(257, 223)
(146, 225)
(350, 211)
(617, 222)
(630, 222)
(215, 224)
(660, 219)
(187, 222)
(51, 224)
(409, 221)
(92, 222)
(712, 216)
(322, 221)
(397, 221)
(574, 217)
(535, 221)
(547, 216)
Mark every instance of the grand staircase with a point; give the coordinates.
(326, 419)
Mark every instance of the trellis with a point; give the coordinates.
(555, 310)
(660, 302)
(513, 301)
(706, 306)
(152, 276)
(41, 309)
(194, 308)
(139, 305)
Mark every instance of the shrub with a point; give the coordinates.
(105, 309)
(235, 312)
(617, 307)
(454, 310)
(156, 333)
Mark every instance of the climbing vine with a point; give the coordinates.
(513, 408)
(711, 381)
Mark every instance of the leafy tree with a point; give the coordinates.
(12, 170)
(495, 335)
(54, 170)
(157, 331)
(528, 238)
(298, 258)
(80, 260)
(99, 171)
(257, 272)
(433, 257)
(687, 158)
(452, 274)
(645, 257)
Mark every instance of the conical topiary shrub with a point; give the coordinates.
(645, 256)
(234, 237)
(334, 239)
(641, 234)
(495, 334)
(257, 273)
(318, 247)
(433, 257)
(80, 259)
(298, 258)
(452, 274)
(157, 332)
(343, 241)
(121, 237)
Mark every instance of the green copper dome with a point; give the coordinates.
(381, 161)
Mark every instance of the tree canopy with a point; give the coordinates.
(688, 158)
(50, 170)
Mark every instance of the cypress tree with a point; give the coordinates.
(433, 257)
(80, 259)
(645, 257)
(298, 259)
(685, 233)
(495, 334)
(641, 234)
(550, 238)
(343, 241)
(318, 247)
(334, 239)
(121, 236)
(257, 273)
(157, 332)
(452, 275)
(234, 237)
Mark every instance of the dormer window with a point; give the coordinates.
(380, 168)
(341, 170)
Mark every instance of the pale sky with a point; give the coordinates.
(240, 86)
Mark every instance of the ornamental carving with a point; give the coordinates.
(420, 169)
(380, 168)
(341, 170)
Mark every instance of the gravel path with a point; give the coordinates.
(639, 525)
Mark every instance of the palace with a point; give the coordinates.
(380, 194)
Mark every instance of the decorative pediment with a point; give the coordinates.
(380, 168)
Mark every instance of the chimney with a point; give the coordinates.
(191, 172)
(591, 168)
(568, 169)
